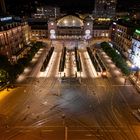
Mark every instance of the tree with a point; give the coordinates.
(116, 58)
(3, 76)
(4, 63)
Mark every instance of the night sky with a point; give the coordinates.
(66, 5)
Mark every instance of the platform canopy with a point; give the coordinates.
(70, 21)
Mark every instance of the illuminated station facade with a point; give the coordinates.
(70, 27)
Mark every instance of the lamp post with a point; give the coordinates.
(51, 43)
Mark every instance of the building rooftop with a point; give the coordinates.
(9, 22)
(129, 23)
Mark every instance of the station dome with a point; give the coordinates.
(70, 21)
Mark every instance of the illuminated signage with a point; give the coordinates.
(52, 34)
(52, 31)
(114, 23)
(137, 31)
(5, 18)
(134, 53)
(87, 31)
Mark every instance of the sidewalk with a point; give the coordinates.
(135, 82)
(34, 65)
(116, 72)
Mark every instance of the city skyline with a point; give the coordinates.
(69, 6)
(68, 72)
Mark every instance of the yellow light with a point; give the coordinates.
(103, 19)
(104, 73)
(65, 21)
(5, 93)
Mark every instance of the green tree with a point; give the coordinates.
(3, 76)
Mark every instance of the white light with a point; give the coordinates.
(88, 24)
(52, 31)
(65, 21)
(111, 45)
(114, 23)
(87, 32)
(6, 18)
(135, 56)
(119, 30)
(133, 66)
(52, 23)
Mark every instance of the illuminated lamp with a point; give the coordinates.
(137, 31)
(52, 31)
(87, 31)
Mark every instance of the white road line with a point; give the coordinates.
(66, 133)
(43, 130)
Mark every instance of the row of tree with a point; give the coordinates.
(9, 72)
(116, 58)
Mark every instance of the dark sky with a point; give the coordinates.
(66, 5)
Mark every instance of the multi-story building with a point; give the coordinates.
(66, 27)
(134, 51)
(47, 12)
(70, 27)
(101, 29)
(14, 38)
(39, 27)
(105, 8)
(122, 32)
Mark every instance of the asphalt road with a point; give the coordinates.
(46, 108)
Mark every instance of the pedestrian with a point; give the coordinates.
(90, 106)
(28, 106)
(63, 116)
(7, 126)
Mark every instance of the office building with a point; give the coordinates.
(14, 38)
(47, 12)
(105, 8)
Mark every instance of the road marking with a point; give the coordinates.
(123, 85)
(66, 133)
(84, 130)
(89, 135)
(47, 130)
(25, 131)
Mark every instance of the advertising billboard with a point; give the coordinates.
(134, 53)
